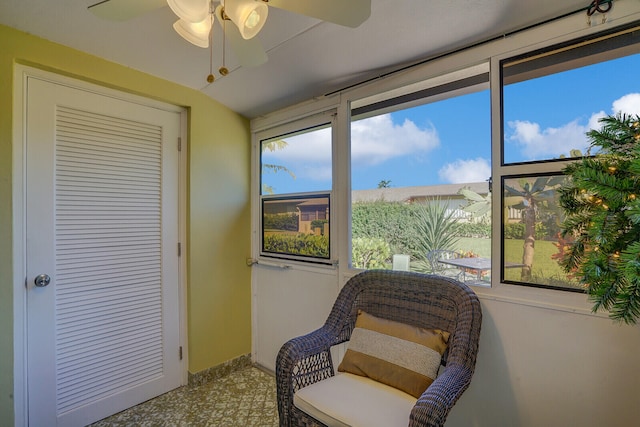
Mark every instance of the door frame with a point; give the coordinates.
(20, 76)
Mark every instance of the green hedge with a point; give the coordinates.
(297, 244)
(516, 231)
(318, 223)
(288, 222)
(370, 253)
(464, 229)
(394, 222)
(389, 221)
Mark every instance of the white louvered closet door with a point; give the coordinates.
(102, 223)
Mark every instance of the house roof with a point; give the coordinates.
(408, 194)
(316, 202)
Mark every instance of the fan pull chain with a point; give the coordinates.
(210, 77)
(223, 70)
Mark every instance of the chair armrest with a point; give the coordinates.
(434, 405)
(302, 361)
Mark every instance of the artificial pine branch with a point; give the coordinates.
(602, 206)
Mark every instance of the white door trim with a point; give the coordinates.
(21, 73)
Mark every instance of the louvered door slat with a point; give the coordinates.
(108, 255)
(77, 344)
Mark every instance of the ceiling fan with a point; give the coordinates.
(246, 19)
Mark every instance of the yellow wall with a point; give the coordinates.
(219, 286)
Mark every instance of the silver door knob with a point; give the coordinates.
(42, 280)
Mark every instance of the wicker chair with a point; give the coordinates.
(422, 300)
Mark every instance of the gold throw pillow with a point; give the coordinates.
(399, 355)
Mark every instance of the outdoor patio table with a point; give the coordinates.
(475, 263)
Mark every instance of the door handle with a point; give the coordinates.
(42, 280)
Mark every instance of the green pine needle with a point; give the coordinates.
(601, 201)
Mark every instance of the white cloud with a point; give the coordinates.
(373, 141)
(550, 142)
(308, 155)
(594, 120)
(378, 139)
(463, 171)
(629, 104)
(312, 146)
(537, 143)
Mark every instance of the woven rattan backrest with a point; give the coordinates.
(426, 301)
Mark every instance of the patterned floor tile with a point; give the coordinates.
(243, 398)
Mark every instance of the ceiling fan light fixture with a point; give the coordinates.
(197, 34)
(248, 15)
(192, 11)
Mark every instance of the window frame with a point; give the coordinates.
(291, 197)
(466, 81)
(293, 127)
(503, 170)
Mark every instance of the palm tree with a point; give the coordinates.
(273, 145)
(478, 205)
(530, 198)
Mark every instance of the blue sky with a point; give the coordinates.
(449, 141)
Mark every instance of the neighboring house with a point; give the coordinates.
(281, 207)
(444, 193)
(311, 210)
(449, 193)
(306, 210)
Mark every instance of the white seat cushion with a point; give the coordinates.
(352, 400)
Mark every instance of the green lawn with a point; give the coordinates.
(545, 269)
(482, 247)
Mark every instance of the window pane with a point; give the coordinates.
(296, 226)
(297, 163)
(414, 172)
(532, 243)
(547, 113)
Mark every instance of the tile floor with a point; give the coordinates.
(244, 398)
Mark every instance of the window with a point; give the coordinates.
(296, 225)
(295, 186)
(551, 99)
(418, 162)
(425, 176)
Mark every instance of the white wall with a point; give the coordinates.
(543, 367)
(288, 303)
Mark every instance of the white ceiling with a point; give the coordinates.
(307, 57)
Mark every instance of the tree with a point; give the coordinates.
(529, 198)
(478, 205)
(273, 145)
(602, 210)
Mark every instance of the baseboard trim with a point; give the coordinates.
(219, 371)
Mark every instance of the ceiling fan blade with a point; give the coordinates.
(349, 13)
(250, 53)
(121, 10)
